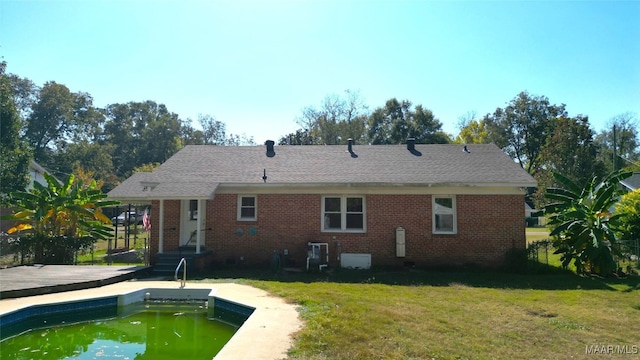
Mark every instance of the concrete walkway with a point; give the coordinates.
(267, 334)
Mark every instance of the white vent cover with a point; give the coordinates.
(355, 261)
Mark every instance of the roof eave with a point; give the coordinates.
(131, 200)
(381, 184)
(627, 185)
(150, 198)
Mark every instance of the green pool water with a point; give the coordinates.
(142, 331)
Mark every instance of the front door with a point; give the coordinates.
(189, 223)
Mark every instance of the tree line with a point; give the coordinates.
(63, 131)
(94, 149)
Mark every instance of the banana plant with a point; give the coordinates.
(582, 222)
(71, 210)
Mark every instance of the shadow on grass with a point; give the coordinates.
(545, 278)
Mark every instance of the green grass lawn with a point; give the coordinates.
(454, 314)
(101, 247)
(550, 313)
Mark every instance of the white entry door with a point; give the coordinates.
(189, 217)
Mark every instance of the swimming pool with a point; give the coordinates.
(267, 334)
(147, 323)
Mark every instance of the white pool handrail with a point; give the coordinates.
(183, 281)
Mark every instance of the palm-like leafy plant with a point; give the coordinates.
(582, 222)
(61, 218)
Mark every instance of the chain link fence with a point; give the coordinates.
(539, 252)
(10, 254)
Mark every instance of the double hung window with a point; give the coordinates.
(343, 213)
(247, 208)
(444, 215)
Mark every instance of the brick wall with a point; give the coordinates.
(488, 227)
(171, 226)
(283, 222)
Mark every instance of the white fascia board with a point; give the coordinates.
(149, 199)
(385, 188)
(627, 185)
(133, 201)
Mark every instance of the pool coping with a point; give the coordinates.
(266, 334)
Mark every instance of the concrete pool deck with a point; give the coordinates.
(267, 334)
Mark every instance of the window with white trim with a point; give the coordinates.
(444, 215)
(193, 209)
(247, 208)
(343, 213)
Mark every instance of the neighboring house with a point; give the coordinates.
(390, 205)
(528, 210)
(530, 214)
(36, 174)
(631, 183)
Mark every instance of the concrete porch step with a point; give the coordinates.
(167, 262)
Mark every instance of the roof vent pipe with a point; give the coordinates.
(270, 151)
(411, 144)
(350, 145)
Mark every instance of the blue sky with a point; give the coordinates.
(256, 64)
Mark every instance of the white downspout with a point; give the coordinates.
(161, 228)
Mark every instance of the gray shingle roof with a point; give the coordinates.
(632, 182)
(196, 170)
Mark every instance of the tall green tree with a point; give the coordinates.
(466, 119)
(90, 157)
(571, 151)
(190, 135)
(59, 116)
(141, 133)
(397, 121)
(337, 119)
(51, 119)
(474, 132)
(627, 143)
(582, 224)
(390, 124)
(88, 121)
(119, 131)
(240, 140)
(426, 128)
(160, 138)
(214, 132)
(24, 93)
(522, 127)
(15, 153)
(300, 137)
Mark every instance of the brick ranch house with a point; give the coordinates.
(391, 205)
